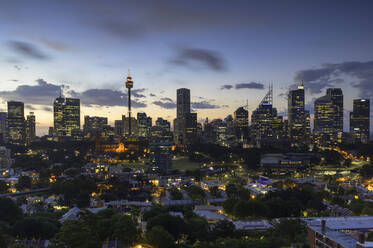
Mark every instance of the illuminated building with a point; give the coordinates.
(183, 102)
(16, 123)
(360, 121)
(160, 122)
(118, 128)
(328, 121)
(94, 124)
(5, 157)
(265, 124)
(296, 114)
(66, 116)
(144, 123)
(185, 124)
(336, 96)
(30, 128)
(160, 156)
(241, 123)
(190, 125)
(3, 126)
(308, 123)
(127, 125)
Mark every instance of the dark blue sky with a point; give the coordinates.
(87, 46)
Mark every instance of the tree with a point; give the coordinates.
(197, 228)
(223, 229)
(231, 190)
(76, 191)
(176, 194)
(76, 234)
(35, 227)
(159, 237)
(3, 187)
(292, 230)
(172, 224)
(24, 182)
(125, 230)
(196, 192)
(9, 211)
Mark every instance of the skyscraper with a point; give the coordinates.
(241, 123)
(266, 126)
(16, 123)
(127, 125)
(66, 116)
(144, 123)
(296, 114)
(328, 120)
(94, 124)
(183, 102)
(30, 128)
(3, 127)
(360, 121)
(185, 124)
(164, 124)
(336, 96)
(118, 127)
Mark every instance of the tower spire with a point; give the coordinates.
(129, 86)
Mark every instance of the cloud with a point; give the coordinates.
(239, 86)
(55, 45)
(192, 56)
(165, 104)
(204, 105)
(136, 93)
(28, 50)
(30, 107)
(167, 99)
(105, 97)
(251, 85)
(226, 87)
(152, 95)
(43, 93)
(124, 29)
(48, 109)
(329, 75)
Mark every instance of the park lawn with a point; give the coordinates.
(184, 164)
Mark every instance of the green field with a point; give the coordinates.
(182, 163)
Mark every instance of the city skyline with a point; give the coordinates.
(90, 55)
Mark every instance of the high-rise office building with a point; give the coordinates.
(241, 123)
(118, 128)
(265, 124)
(165, 124)
(360, 121)
(190, 128)
(296, 114)
(183, 102)
(336, 96)
(16, 123)
(185, 124)
(160, 154)
(3, 127)
(30, 128)
(144, 123)
(94, 124)
(328, 120)
(127, 126)
(66, 116)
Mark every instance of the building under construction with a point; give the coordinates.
(266, 126)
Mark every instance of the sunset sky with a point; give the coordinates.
(225, 52)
